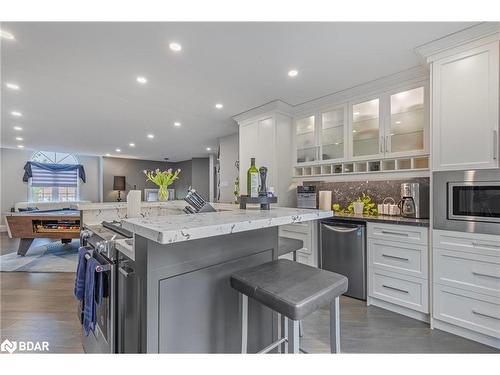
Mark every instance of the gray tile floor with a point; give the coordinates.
(369, 329)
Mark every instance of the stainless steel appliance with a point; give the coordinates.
(414, 200)
(343, 250)
(467, 201)
(306, 196)
(99, 239)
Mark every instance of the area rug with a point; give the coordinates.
(50, 257)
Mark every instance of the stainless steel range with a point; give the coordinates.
(100, 239)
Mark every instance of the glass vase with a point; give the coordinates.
(163, 194)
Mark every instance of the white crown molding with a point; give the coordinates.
(278, 106)
(479, 31)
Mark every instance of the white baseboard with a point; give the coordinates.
(467, 333)
(398, 309)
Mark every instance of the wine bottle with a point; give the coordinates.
(253, 180)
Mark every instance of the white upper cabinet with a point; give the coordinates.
(366, 131)
(392, 124)
(305, 139)
(407, 125)
(465, 105)
(333, 134)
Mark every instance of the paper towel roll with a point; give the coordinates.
(325, 200)
(134, 204)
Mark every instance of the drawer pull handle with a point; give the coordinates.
(479, 244)
(395, 233)
(486, 315)
(485, 275)
(395, 257)
(396, 289)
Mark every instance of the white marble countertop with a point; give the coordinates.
(117, 205)
(230, 219)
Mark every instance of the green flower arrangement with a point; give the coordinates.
(162, 179)
(369, 207)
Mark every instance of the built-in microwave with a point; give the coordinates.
(467, 201)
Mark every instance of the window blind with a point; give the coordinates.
(46, 178)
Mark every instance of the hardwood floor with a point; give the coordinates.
(41, 307)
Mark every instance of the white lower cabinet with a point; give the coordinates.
(398, 268)
(307, 233)
(466, 285)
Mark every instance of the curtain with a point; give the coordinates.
(61, 175)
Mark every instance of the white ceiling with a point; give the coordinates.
(79, 91)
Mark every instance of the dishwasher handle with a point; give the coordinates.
(340, 229)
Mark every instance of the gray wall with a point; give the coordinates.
(132, 169)
(13, 189)
(201, 177)
(193, 173)
(185, 180)
(229, 154)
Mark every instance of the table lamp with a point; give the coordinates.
(119, 184)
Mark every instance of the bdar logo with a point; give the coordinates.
(8, 346)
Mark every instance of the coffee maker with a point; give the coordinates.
(414, 201)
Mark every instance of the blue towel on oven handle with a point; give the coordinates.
(81, 270)
(94, 293)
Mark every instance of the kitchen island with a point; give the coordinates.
(175, 291)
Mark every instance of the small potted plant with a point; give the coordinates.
(163, 179)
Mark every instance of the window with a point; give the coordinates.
(53, 186)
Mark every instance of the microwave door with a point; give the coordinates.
(474, 201)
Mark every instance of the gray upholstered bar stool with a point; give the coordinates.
(293, 290)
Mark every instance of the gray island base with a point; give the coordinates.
(177, 298)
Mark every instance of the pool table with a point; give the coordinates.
(63, 224)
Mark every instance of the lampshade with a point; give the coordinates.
(119, 183)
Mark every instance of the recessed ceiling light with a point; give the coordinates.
(118, 150)
(174, 46)
(356, 113)
(208, 148)
(354, 131)
(19, 138)
(219, 106)
(151, 136)
(142, 80)
(108, 154)
(293, 73)
(16, 113)
(177, 123)
(131, 144)
(18, 128)
(6, 35)
(12, 86)
(398, 122)
(20, 146)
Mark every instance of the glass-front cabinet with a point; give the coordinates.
(332, 138)
(366, 129)
(305, 139)
(407, 126)
(393, 124)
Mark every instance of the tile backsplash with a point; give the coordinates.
(348, 191)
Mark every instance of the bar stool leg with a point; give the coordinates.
(335, 325)
(244, 323)
(293, 336)
(284, 333)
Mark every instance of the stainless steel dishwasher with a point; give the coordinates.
(343, 251)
